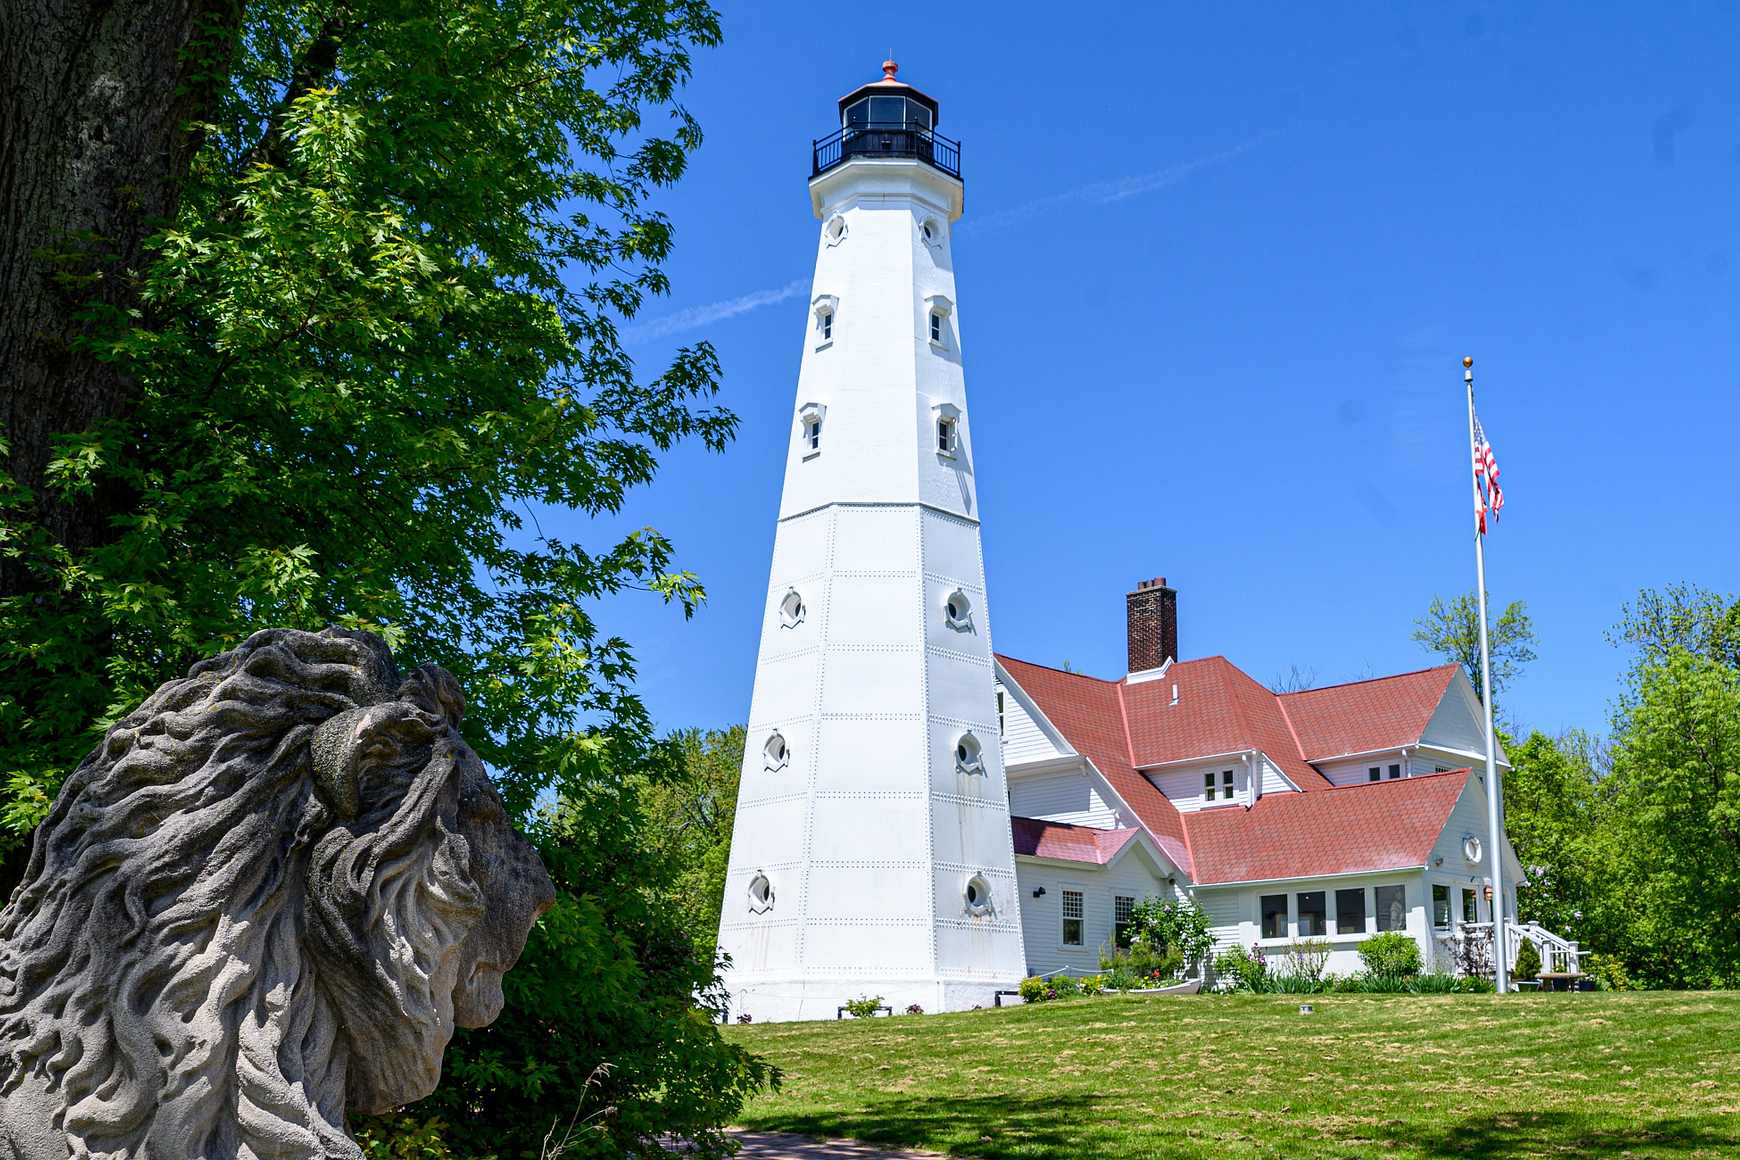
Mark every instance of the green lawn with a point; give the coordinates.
(1569, 1075)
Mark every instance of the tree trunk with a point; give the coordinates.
(94, 97)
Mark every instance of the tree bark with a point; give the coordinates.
(95, 96)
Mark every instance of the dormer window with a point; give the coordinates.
(810, 417)
(1224, 783)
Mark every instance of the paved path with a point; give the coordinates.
(761, 1146)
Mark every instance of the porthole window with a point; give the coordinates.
(1471, 849)
(933, 231)
(835, 230)
(958, 611)
(776, 754)
(791, 609)
(760, 894)
(977, 895)
(969, 754)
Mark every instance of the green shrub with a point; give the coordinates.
(1065, 986)
(1476, 985)
(1174, 925)
(1244, 969)
(1093, 985)
(1119, 979)
(1032, 989)
(1298, 984)
(1528, 960)
(863, 1007)
(1392, 953)
(1608, 972)
(1138, 958)
(1305, 959)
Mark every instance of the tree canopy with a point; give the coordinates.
(1451, 628)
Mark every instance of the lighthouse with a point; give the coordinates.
(872, 853)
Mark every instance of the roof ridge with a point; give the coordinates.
(1051, 669)
(1287, 717)
(1123, 715)
(1371, 680)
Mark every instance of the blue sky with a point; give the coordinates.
(1218, 269)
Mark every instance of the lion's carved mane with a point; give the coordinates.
(262, 900)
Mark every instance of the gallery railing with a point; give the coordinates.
(933, 149)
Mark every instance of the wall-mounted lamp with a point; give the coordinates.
(1038, 891)
(1437, 861)
(1172, 882)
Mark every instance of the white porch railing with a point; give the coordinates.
(1472, 943)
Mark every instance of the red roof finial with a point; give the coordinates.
(889, 68)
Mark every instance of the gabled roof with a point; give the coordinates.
(1089, 713)
(1366, 716)
(1220, 710)
(1387, 825)
(1124, 727)
(1068, 843)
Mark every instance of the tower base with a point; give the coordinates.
(794, 1000)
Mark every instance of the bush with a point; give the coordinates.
(1065, 986)
(863, 1007)
(1093, 985)
(1476, 985)
(1393, 953)
(1528, 960)
(1306, 958)
(1032, 989)
(1608, 972)
(1121, 980)
(1244, 969)
(1373, 984)
(1178, 926)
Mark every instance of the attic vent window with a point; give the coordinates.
(977, 895)
(776, 755)
(958, 611)
(760, 894)
(969, 755)
(791, 610)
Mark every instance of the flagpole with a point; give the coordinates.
(1495, 845)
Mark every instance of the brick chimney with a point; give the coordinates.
(1153, 624)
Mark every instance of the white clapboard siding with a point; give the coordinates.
(1455, 723)
(1357, 771)
(1070, 796)
(1023, 739)
(1183, 787)
(1042, 918)
(1274, 781)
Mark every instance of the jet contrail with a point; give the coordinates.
(701, 315)
(1106, 192)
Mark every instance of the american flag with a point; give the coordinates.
(1485, 470)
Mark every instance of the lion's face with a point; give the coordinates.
(423, 897)
(266, 899)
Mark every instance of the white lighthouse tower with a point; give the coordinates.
(872, 853)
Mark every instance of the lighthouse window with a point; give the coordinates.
(936, 328)
(791, 609)
(813, 434)
(827, 319)
(760, 894)
(969, 754)
(775, 754)
(945, 435)
(958, 610)
(978, 895)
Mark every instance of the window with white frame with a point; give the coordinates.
(826, 321)
(936, 320)
(810, 418)
(1224, 782)
(1375, 773)
(1072, 918)
(1392, 908)
(824, 307)
(1350, 911)
(1123, 918)
(1274, 915)
(945, 434)
(935, 327)
(1441, 907)
(1395, 772)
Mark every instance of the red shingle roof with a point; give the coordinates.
(1042, 839)
(1386, 825)
(1089, 713)
(1366, 716)
(1123, 728)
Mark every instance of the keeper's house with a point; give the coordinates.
(1330, 813)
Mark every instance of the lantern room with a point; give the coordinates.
(888, 119)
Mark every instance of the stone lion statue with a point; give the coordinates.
(266, 899)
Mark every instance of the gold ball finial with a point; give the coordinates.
(1467, 361)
